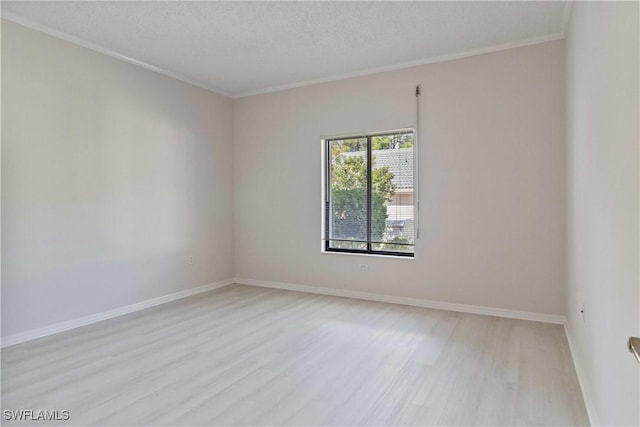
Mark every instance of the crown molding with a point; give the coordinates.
(9, 16)
(566, 17)
(400, 66)
(410, 64)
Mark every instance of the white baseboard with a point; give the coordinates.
(463, 308)
(93, 318)
(586, 397)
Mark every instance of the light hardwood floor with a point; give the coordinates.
(244, 355)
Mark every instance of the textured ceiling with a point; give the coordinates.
(245, 47)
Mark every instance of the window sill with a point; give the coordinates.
(406, 258)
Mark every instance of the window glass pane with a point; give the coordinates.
(348, 197)
(392, 199)
(371, 209)
(392, 247)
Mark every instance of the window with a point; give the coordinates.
(369, 200)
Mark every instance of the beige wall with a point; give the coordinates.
(603, 137)
(492, 171)
(112, 176)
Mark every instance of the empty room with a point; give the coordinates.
(319, 213)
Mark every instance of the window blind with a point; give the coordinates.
(369, 204)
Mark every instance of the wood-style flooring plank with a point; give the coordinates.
(244, 355)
